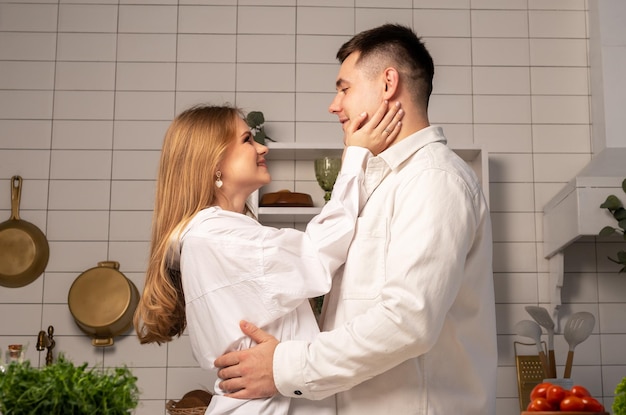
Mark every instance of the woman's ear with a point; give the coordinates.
(390, 78)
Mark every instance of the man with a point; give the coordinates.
(409, 324)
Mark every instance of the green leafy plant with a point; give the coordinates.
(619, 403)
(256, 122)
(65, 389)
(614, 205)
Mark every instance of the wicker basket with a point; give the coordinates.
(172, 410)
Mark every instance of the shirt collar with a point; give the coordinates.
(379, 167)
(398, 153)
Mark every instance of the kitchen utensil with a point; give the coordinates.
(102, 301)
(529, 371)
(24, 249)
(577, 329)
(530, 329)
(542, 317)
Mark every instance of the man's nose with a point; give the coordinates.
(335, 105)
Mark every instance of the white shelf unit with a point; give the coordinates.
(476, 158)
(303, 151)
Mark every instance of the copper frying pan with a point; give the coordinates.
(24, 249)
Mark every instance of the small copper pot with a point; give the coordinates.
(102, 301)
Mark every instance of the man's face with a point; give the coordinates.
(356, 92)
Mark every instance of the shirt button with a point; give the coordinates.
(296, 392)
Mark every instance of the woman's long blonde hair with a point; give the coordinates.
(194, 144)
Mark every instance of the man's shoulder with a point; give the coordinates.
(440, 158)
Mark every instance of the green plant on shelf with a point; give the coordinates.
(256, 122)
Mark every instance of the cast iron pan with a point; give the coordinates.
(24, 249)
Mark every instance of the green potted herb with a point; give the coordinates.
(65, 389)
(614, 205)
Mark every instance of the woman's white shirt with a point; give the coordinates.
(233, 268)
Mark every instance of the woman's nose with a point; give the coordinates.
(261, 149)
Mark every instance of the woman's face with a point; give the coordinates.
(243, 167)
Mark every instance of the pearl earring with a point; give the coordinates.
(218, 181)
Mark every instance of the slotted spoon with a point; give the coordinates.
(528, 328)
(541, 316)
(577, 329)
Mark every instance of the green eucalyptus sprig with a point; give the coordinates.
(614, 205)
(256, 122)
(64, 389)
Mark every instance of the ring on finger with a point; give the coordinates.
(386, 131)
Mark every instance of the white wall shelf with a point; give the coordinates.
(476, 158)
(575, 212)
(303, 151)
(288, 214)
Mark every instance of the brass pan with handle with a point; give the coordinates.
(24, 250)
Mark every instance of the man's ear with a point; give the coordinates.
(391, 79)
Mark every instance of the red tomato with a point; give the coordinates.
(540, 404)
(580, 391)
(539, 391)
(592, 404)
(555, 394)
(572, 403)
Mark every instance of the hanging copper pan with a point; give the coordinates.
(24, 249)
(102, 301)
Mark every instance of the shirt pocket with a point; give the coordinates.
(364, 272)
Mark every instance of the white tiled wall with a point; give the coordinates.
(88, 87)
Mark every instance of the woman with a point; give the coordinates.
(212, 265)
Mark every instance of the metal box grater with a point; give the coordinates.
(529, 370)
